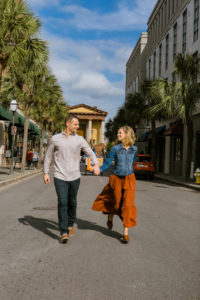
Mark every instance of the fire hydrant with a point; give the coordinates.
(197, 175)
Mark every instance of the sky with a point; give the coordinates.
(90, 42)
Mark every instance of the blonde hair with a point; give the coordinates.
(129, 139)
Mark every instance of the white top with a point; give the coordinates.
(66, 152)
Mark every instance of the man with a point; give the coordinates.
(66, 147)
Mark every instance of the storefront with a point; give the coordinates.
(34, 134)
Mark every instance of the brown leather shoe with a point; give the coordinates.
(71, 231)
(64, 238)
(125, 239)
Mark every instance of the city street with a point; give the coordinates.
(161, 261)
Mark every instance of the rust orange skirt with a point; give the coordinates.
(118, 198)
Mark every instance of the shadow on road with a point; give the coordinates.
(45, 225)
(87, 225)
(42, 225)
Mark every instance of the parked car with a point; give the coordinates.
(144, 166)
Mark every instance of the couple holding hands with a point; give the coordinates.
(117, 197)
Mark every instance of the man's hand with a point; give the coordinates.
(46, 178)
(96, 169)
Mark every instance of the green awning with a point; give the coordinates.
(6, 114)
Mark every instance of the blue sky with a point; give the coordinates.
(90, 42)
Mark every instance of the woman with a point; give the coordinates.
(117, 197)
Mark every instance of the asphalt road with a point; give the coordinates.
(162, 260)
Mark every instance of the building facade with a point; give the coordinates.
(135, 76)
(34, 134)
(91, 124)
(136, 65)
(173, 27)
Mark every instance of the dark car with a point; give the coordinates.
(144, 166)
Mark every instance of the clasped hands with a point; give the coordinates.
(95, 169)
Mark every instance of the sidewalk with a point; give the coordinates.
(179, 181)
(6, 178)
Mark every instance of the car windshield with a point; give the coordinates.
(143, 158)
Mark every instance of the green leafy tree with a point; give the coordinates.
(181, 100)
(135, 106)
(152, 99)
(17, 25)
(50, 110)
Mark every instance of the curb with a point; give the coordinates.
(18, 178)
(190, 186)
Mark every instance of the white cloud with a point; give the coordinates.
(84, 68)
(126, 17)
(80, 65)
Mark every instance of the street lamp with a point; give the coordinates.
(13, 108)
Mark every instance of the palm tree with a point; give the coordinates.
(17, 25)
(50, 110)
(181, 100)
(152, 99)
(135, 109)
(28, 79)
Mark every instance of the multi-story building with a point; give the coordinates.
(135, 76)
(136, 65)
(173, 27)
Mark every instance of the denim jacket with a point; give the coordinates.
(124, 160)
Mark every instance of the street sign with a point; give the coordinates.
(13, 130)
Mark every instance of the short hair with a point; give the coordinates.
(70, 117)
(129, 139)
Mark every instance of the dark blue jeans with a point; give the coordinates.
(67, 202)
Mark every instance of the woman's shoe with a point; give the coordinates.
(125, 239)
(109, 223)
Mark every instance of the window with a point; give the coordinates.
(174, 41)
(178, 149)
(196, 20)
(166, 51)
(154, 65)
(184, 32)
(160, 59)
(169, 11)
(173, 78)
(173, 4)
(149, 69)
(162, 18)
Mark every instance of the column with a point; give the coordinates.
(167, 154)
(102, 132)
(89, 131)
(185, 142)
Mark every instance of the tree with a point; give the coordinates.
(17, 25)
(28, 82)
(152, 99)
(135, 106)
(181, 100)
(50, 110)
(109, 130)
